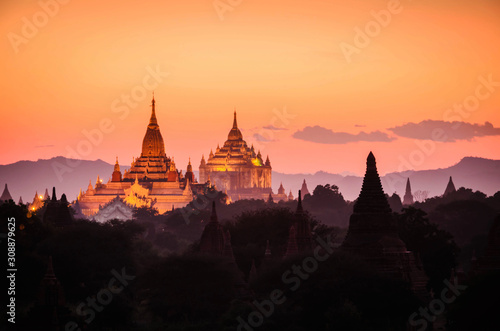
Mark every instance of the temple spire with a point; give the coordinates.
(152, 121)
(408, 197)
(299, 205)
(372, 198)
(450, 188)
(235, 124)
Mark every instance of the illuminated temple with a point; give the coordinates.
(152, 180)
(236, 169)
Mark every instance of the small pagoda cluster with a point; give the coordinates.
(57, 212)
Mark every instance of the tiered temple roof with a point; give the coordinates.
(408, 197)
(373, 235)
(237, 168)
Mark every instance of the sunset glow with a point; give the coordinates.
(93, 67)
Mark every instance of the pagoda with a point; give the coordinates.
(373, 235)
(408, 197)
(237, 168)
(450, 188)
(152, 180)
(5, 197)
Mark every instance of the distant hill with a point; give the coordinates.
(69, 175)
(471, 172)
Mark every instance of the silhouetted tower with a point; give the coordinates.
(303, 227)
(49, 311)
(57, 211)
(450, 188)
(408, 198)
(212, 238)
(373, 235)
(304, 189)
(5, 195)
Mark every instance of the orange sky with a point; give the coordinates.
(262, 57)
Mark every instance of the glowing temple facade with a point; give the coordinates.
(152, 180)
(236, 169)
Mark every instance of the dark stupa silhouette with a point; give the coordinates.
(450, 188)
(5, 197)
(408, 197)
(212, 238)
(373, 235)
(300, 236)
(214, 241)
(57, 212)
(49, 311)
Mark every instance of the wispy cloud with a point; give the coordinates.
(322, 135)
(450, 131)
(261, 138)
(272, 127)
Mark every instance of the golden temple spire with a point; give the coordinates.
(117, 166)
(152, 121)
(235, 124)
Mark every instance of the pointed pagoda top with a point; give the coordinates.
(46, 195)
(372, 198)
(408, 197)
(213, 237)
(117, 165)
(20, 201)
(54, 198)
(281, 189)
(304, 188)
(408, 186)
(450, 188)
(153, 123)
(299, 205)
(235, 133)
(6, 194)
